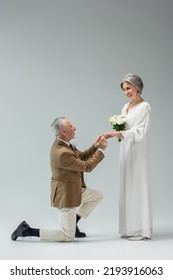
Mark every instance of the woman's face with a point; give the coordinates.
(130, 91)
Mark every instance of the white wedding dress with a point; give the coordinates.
(135, 214)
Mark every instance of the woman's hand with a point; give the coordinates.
(110, 134)
(113, 134)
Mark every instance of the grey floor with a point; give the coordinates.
(99, 244)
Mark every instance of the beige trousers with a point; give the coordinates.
(67, 217)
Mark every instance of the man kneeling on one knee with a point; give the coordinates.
(69, 193)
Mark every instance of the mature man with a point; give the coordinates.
(68, 190)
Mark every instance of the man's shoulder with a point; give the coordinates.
(59, 146)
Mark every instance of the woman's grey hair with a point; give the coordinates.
(133, 79)
(57, 124)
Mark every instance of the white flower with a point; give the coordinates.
(117, 119)
(118, 122)
(120, 119)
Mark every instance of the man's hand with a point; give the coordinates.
(101, 142)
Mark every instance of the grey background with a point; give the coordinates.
(67, 58)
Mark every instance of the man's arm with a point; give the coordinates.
(69, 161)
(99, 143)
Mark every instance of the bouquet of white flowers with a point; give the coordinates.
(118, 123)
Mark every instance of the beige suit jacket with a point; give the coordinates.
(67, 166)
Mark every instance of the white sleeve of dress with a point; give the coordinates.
(141, 125)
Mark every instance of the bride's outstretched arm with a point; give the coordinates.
(113, 134)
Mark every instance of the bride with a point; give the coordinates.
(135, 214)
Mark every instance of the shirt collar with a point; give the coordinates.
(63, 141)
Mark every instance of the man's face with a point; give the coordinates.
(68, 131)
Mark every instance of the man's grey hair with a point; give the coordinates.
(57, 124)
